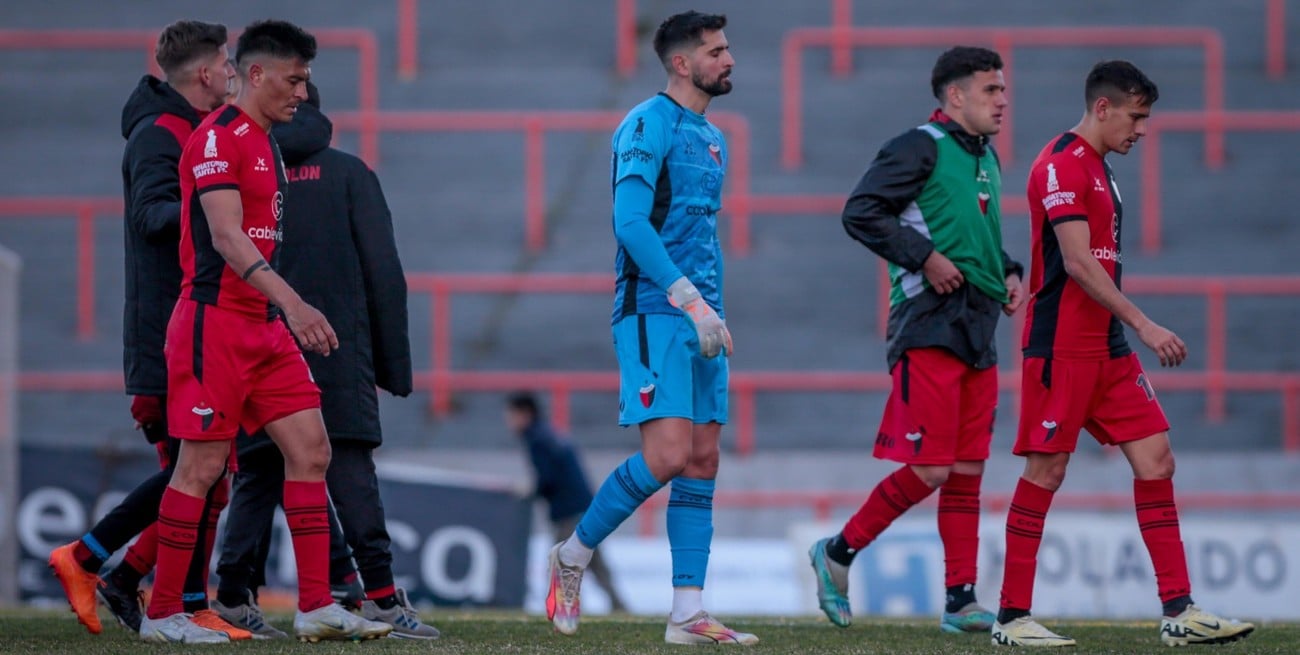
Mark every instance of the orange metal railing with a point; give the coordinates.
(85, 211)
(1193, 121)
(1004, 40)
(363, 41)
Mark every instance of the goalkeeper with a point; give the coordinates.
(669, 334)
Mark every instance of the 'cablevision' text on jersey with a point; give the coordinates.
(1070, 181)
(683, 157)
(229, 150)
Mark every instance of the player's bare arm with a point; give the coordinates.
(225, 214)
(1015, 294)
(1082, 267)
(941, 273)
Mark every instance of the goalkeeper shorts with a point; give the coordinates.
(663, 375)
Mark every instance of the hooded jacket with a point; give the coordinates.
(156, 122)
(963, 321)
(340, 255)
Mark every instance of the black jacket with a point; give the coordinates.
(156, 122)
(339, 254)
(560, 478)
(963, 321)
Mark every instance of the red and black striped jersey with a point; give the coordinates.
(1070, 181)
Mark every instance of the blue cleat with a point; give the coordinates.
(971, 618)
(832, 585)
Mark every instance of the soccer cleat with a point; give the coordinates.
(125, 605)
(333, 623)
(78, 585)
(1197, 626)
(249, 617)
(1025, 631)
(704, 629)
(563, 603)
(971, 618)
(832, 584)
(179, 629)
(213, 621)
(404, 619)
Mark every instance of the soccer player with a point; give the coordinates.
(231, 362)
(156, 121)
(340, 254)
(1079, 371)
(670, 338)
(930, 206)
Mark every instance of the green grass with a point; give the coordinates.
(481, 632)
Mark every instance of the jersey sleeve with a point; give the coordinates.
(640, 146)
(1064, 186)
(213, 156)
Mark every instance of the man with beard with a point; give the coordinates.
(668, 164)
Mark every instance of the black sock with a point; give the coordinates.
(1008, 614)
(838, 550)
(387, 602)
(196, 602)
(232, 597)
(1175, 606)
(125, 577)
(959, 596)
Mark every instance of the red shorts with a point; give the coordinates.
(226, 371)
(1111, 398)
(940, 411)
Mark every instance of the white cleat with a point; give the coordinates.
(563, 595)
(333, 623)
(1197, 626)
(179, 629)
(704, 629)
(1025, 631)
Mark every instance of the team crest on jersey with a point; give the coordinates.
(715, 151)
(638, 134)
(210, 147)
(984, 203)
(1114, 227)
(277, 206)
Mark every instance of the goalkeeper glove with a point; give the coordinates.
(709, 327)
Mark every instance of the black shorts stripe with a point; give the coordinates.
(905, 378)
(642, 341)
(1046, 377)
(218, 187)
(197, 362)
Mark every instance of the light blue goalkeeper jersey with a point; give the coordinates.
(683, 158)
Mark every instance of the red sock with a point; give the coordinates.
(893, 496)
(178, 530)
(1158, 519)
(304, 507)
(1025, 522)
(959, 527)
(382, 592)
(143, 554)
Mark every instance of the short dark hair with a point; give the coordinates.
(276, 38)
(1119, 80)
(683, 28)
(959, 63)
(524, 401)
(185, 41)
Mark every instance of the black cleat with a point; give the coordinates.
(122, 603)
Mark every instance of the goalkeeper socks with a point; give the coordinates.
(687, 602)
(622, 492)
(690, 529)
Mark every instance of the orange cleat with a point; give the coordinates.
(213, 621)
(78, 585)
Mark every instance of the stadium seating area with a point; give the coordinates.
(488, 123)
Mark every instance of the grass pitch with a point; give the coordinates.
(34, 631)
